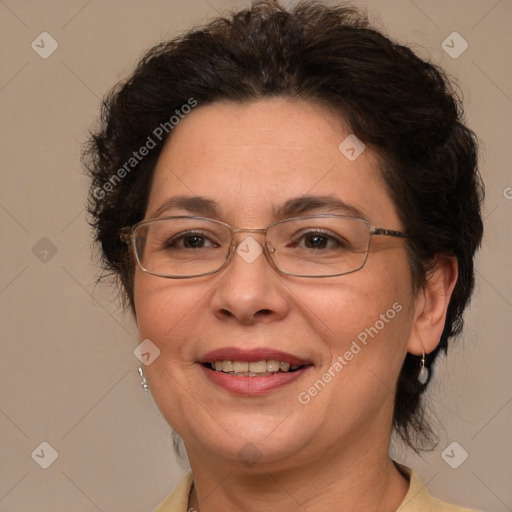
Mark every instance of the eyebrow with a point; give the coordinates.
(307, 203)
(194, 204)
(203, 206)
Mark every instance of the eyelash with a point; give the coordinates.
(329, 236)
(172, 242)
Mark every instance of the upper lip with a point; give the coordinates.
(251, 355)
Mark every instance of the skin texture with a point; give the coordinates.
(331, 453)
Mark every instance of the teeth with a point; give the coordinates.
(258, 367)
(254, 368)
(272, 365)
(227, 366)
(241, 366)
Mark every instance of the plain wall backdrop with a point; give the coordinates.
(68, 376)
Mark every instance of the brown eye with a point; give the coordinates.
(193, 241)
(318, 240)
(315, 241)
(189, 241)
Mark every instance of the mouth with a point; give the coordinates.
(263, 368)
(252, 372)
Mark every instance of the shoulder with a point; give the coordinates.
(177, 501)
(418, 499)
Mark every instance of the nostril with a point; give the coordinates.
(263, 312)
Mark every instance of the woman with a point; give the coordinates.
(291, 203)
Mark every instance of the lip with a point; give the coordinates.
(250, 355)
(252, 386)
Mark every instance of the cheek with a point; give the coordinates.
(363, 318)
(362, 335)
(167, 309)
(166, 314)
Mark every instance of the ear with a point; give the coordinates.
(431, 306)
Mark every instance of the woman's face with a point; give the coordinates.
(349, 331)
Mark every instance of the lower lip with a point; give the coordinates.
(252, 385)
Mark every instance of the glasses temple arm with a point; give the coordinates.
(389, 232)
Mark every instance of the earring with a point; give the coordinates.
(423, 374)
(143, 382)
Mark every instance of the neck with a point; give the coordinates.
(340, 481)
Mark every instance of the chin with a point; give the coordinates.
(253, 441)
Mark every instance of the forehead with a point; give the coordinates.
(252, 157)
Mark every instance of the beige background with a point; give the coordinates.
(67, 371)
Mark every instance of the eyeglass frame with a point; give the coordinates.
(127, 236)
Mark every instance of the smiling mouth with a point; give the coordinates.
(264, 368)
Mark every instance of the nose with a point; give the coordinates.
(250, 290)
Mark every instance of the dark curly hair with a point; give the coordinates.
(401, 106)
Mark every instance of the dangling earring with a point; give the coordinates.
(143, 382)
(423, 374)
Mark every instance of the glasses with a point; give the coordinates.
(312, 246)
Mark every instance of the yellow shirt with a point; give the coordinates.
(417, 498)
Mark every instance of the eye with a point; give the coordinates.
(189, 240)
(319, 240)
